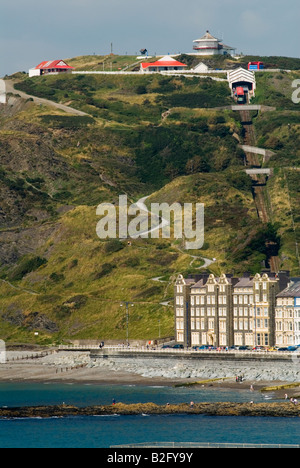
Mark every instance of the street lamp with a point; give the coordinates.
(127, 304)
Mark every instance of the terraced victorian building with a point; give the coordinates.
(287, 315)
(226, 311)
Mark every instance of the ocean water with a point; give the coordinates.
(105, 431)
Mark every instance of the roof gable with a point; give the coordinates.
(165, 61)
(53, 64)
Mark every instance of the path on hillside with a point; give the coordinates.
(140, 204)
(9, 88)
(17, 288)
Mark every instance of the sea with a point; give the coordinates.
(108, 431)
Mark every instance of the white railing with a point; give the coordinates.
(189, 351)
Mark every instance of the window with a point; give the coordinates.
(180, 337)
(266, 323)
(179, 324)
(266, 339)
(195, 339)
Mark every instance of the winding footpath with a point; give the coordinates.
(7, 87)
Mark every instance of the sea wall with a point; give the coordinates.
(258, 368)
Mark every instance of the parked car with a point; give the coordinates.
(282, 349)
(244, 348)
(178, 346)
(292, 348)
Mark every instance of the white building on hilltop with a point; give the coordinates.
(210, 45)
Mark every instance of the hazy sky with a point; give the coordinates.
(35, 30)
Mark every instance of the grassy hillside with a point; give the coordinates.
(143, 135)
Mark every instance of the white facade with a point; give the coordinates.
(210, 45)
(241, 76)
(287, 316)
(201, 68)
(285, 322)
(34, 72)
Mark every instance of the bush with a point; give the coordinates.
(113, 245)
(27, 265)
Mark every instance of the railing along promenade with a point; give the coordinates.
(165, 352)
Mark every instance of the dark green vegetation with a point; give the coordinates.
(142, 135)
(275, 410)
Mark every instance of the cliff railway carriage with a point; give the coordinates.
(240, 95)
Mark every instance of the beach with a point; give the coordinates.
(77, 367)
(68, 367)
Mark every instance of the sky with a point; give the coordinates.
(35, 30)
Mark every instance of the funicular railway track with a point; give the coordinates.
(259, 181)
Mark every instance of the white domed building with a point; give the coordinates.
(210, 45)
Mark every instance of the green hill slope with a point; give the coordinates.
(144, 135)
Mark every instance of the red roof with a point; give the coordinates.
(164, 62)
(53, 64)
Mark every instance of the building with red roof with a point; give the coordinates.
(52, 66)
(166, 63)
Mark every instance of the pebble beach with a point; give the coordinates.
(76, 366)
